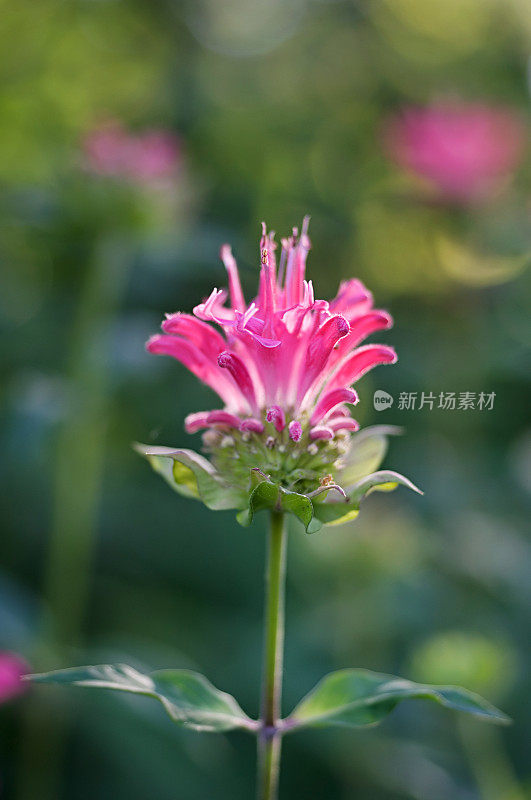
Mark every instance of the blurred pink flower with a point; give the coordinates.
(112, 151)
(12, 668)
(464, 149)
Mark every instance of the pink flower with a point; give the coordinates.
(112, 151)
(283, 366)
(465, 150)
(12, 669)
(285, 357)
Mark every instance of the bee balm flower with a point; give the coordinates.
(464, 149)
(112, 151)
(283, 366)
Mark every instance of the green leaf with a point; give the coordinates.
(192, 476)
(188, 697)
(336, 512)
(357, 697)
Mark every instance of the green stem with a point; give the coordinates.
(269, 739)
(79, 466)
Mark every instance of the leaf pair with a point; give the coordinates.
(350, 697)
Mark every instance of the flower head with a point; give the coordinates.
(112, 151)
(464, 149)
(283, 366)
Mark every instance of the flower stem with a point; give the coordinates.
(269, 738)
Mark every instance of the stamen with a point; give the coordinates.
(276, 415)
(295, 430)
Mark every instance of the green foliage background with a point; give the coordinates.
(279, 107)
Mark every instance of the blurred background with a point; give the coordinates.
(137, 137)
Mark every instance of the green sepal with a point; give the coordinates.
(191, 475)
(358, 698)
(336, 512)
(188, 697)
(269, 495)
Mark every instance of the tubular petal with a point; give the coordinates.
(319, 349)
(359, 362)
(321, 432)
(195, 331)
(192, 358)
(330, 400)
(194, 422)
(238, 370)
(343, 424)
(252, 425)
(223, 418)
(352, 297)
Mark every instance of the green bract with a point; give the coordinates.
(316, 499)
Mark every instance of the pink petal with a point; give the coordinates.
(343, 424)
(197, 332)
(359, 362)
(235, 288)
(332, 399)
(296, 264)
(223, 418)
(194, 422)
(213, 310)
(238, 370)
(321, 432)
(268, 284)
(319, 349)
(363, 326)
(252, 425)
(193, 359)
(352, 298)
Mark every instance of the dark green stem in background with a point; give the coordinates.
(269, 738)
(79, 462)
